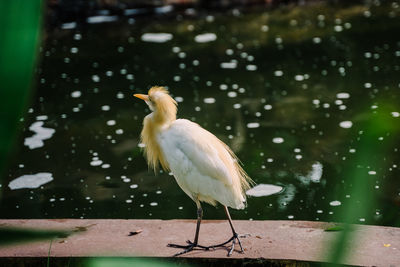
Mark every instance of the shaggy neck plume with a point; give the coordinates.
(164, 114)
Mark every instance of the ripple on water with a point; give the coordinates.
(179, 99)
(316, 40)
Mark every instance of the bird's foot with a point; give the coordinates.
(191, 246)
(234, 238)
(187, 248)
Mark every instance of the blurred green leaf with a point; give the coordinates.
(11, 236)
(20, 28)
(122, 262)
(379, 124)
(334, 228)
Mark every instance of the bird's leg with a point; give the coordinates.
(235, 235)
(233, 238)
(191, 245)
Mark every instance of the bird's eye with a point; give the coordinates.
(151, 100)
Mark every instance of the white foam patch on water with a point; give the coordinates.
(278, 140)
(228, 65)
(262, 190)
(111, 122)
(205, 37)
(31, 181)
(232, 94)
(209, 100)
(335, 203)
(76, 94)
(105, 108)
(237, 106)
(346, 124)
(42, 118)
(251, 67)
(101, 19)
(268, 107)
(41, 133)
(164, 9)
(251, 125)
(68, 25)
(299, 78)
(342, 95)
(156, 37)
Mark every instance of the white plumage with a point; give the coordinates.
(194, 160)
(203, 166)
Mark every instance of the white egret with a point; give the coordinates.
(203, 166)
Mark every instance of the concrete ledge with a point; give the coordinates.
(267, 241)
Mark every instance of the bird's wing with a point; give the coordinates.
(204, 150)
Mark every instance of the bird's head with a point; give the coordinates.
(160, 102)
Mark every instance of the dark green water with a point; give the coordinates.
(289, 90)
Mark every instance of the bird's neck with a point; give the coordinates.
(162, 119)
(152, 125)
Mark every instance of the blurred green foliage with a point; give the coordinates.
(379, 124)
(11, 236)
(20, 23)
(122, 262)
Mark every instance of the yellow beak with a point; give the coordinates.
(141, 96)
